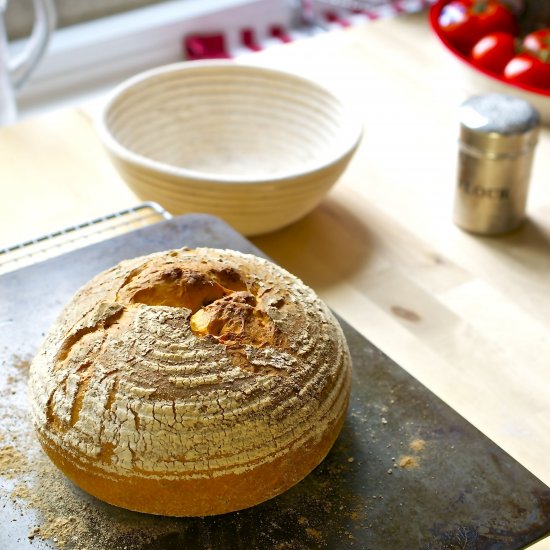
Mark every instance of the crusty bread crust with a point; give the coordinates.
(198, 497)
(191, 383)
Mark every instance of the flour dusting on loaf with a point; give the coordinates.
(206, 372)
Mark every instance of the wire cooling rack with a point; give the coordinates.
(77, 236)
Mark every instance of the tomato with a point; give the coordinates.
(538, 41)
(465, 22)
(494, 51)
(527, 68)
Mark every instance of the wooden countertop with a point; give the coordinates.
(467, 316)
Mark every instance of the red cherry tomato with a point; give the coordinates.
(528, 69)
(494, 51)
(538, 41)
(465, 22)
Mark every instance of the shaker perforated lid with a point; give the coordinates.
(498, 124)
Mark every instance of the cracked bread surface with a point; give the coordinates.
(191, 382)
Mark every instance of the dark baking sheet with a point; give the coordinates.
(406, 472)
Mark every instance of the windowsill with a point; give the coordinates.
(86, 60)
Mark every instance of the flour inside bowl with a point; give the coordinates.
(236, 141)
(229, 159)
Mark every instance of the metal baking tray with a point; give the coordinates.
(406, 472)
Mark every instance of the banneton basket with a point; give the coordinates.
(479, 80)
(257, 147)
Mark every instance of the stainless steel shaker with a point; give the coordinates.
(498, 135)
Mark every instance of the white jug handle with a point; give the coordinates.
(44, 23)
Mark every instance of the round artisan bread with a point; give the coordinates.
(191, 383)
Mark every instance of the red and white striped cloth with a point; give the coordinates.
(313, 16)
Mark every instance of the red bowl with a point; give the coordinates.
(484, 81)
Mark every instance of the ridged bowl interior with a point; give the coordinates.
(257, 147)
(228, 121)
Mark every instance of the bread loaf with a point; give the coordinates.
(190, 383)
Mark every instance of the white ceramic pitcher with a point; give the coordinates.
(14, 72)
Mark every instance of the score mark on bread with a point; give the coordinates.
(191, 382)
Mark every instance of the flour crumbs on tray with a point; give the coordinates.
(65, 516)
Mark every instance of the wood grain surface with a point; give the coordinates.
(467, 316)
